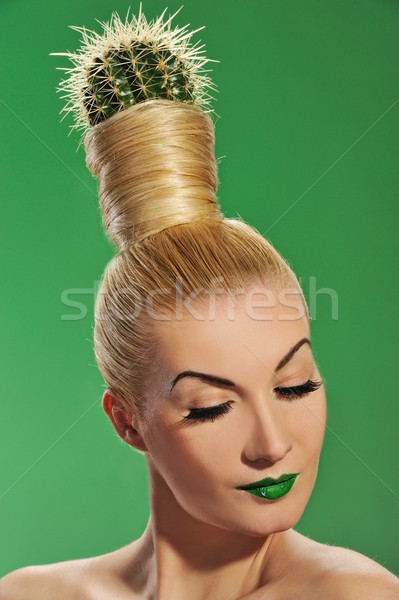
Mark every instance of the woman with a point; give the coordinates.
(202, 334)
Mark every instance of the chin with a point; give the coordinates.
(259, 529)
(259, 518)
(262, 517)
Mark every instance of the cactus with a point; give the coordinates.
(129, 63)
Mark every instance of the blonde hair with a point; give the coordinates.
(157, 189)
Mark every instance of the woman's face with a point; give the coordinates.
(261, 434)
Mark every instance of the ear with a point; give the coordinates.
(122, 420)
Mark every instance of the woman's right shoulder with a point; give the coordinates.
(80, 579)
(42, 582)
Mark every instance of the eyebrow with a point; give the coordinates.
(226, 382)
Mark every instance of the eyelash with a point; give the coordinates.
(285, 393)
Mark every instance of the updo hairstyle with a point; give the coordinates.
(157, 173)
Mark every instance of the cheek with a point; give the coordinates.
(188, 457)
(308, 424)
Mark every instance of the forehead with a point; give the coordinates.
(226, 336)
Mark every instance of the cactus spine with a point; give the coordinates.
(129, 63)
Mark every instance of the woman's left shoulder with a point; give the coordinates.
(350, 575)
(335, 572)
(356, 584)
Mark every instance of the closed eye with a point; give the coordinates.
(211, 413)
(297, 391)
(285, 393)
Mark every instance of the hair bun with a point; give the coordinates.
(140, 95)
(156, 168)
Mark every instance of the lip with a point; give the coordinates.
(268, 481)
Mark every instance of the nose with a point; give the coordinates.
(268, 437)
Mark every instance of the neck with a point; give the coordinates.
(183, 557)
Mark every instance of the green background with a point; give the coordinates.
(308, 130)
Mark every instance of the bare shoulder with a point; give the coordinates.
(344, 573)
(361, 586)
(93, 578)
(42, 582)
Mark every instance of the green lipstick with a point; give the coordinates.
(271, 488)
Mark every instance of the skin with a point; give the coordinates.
(204, 538)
